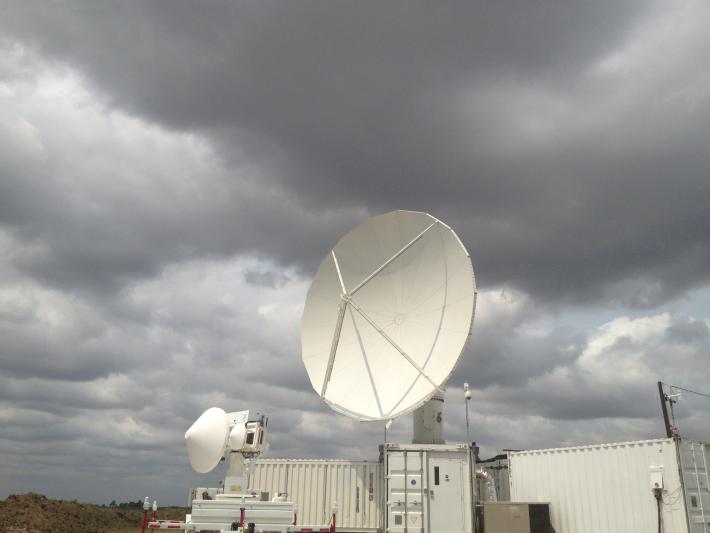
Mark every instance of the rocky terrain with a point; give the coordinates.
(35, 513)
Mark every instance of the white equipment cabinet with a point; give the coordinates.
(225, 513)
(428, 488)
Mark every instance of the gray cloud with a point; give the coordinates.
(172, 176)
(266, 278)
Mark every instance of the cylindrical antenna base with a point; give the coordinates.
(428, 421)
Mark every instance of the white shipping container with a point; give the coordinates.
(429, 488)
(316, 485)
(608, 487)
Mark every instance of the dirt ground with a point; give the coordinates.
(35, 513)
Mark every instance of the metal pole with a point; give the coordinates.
(664, 410)
(467, 398)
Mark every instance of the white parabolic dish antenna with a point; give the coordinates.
(205, 439)
(388, 315)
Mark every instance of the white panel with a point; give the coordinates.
(315, 485)
(602, 487)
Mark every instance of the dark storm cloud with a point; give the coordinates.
(122, 236)
(27, 354)
(502, 353)
(284, 65)
(96, 224)
(580, 400)
(411, 105)
(511, 361)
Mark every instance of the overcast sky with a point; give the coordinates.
(172, 173)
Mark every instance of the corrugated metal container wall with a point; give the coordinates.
(604, 487)
(315, 485)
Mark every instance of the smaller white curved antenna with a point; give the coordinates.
(206, 439)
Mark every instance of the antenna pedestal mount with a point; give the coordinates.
(235, 482)
(428, 421)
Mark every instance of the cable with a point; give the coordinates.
(671, 399)
(658, 494)
(672, 497)
(687, 390)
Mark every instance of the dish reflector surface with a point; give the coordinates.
(388, 315)
(206, 439)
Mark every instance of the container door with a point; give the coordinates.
(406, 492)
(446, 492)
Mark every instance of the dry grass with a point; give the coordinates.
(35, 513)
